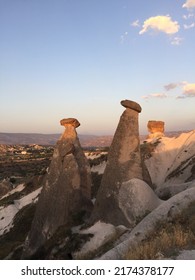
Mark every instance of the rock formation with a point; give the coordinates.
(168, 211)
(124, 163)
(172, 165)
(156, 129)
(66, 192)
(5, 187)
(136, 200)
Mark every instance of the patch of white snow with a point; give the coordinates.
(8, 213)
(19, 188)
(102, 234)
(99, 168)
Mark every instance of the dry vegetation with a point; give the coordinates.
(168, 239)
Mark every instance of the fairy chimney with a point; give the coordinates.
(66, 191)
(156, 129)
(124, 163)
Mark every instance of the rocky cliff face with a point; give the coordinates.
(66, 191)
(172, 164)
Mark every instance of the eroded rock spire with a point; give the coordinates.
(124, 163)
(66, 191)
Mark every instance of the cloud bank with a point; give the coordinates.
(161, 24)
(188, 91)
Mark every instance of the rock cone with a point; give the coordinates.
(124, 163)
(66, 192)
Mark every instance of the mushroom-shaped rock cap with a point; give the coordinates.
(131, 105)
(70, 121)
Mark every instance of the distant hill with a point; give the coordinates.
(50, 139)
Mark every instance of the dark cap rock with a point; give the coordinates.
(70, 121)
(131, 105)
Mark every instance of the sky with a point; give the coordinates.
(80, 58)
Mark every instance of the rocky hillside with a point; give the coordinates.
(170, 162)
(135, 202)
(51, 139)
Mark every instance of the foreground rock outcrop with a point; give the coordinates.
(167, 211)
(124, 163)
(66, 192)
(136, 199)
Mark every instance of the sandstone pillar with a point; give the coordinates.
(124, 163)
(66, 191)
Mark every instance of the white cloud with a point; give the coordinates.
(161, 24)
(189, 4)
(189, 90)
(170, 86)
(123, 37)
(176, 41)
(135, 23)
(186, 17)
(155, 95)
(188, 26)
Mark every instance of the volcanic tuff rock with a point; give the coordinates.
(66, 192)
(166, 211)
(131, 105)
(172, 164)
(5, 187)
(156, 128)
(136, 200)
(70, 121)
(124, 163)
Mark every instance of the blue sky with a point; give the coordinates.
(73, 58)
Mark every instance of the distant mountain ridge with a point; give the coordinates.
(51, 139)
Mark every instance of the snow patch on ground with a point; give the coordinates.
(19, 188)
(8, 213)
(99, 168)
(102, 234)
